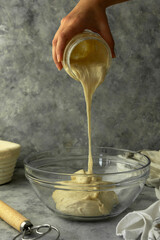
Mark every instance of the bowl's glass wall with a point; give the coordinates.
(126, 170)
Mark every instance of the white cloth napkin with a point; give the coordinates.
(141, 224)
(154, 176)
(145, 224)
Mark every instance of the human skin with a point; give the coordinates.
(87, 14)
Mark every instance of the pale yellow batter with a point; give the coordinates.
(89, 63)
(78, 201)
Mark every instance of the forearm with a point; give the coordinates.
(103, 3)
(108, 3)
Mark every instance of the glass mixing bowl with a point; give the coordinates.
(118, 178)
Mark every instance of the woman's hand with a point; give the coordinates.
(87, 14)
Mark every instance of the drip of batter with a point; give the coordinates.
(89, 62)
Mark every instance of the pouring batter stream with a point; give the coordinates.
(89, 62)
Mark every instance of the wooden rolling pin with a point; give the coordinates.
(13, 218)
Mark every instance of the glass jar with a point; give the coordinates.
(81, 38)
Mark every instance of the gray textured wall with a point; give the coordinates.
(41, 107)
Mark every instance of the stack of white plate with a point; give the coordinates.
(9, 152)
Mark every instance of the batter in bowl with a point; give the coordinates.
(89, 62)
(76, 200)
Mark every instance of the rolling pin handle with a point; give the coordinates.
(12, 217)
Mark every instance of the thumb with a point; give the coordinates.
(105, 32)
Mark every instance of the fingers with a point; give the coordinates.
(63, 39)
(59, 43)
(54, 54)
(70, 26)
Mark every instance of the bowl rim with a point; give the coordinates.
(38, 153)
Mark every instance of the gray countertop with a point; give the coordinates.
(19, 195)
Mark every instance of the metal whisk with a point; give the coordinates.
(23, 225)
